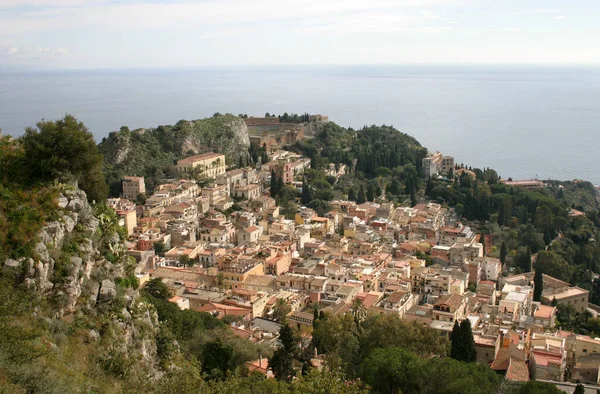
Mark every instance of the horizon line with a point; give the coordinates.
(14, 68)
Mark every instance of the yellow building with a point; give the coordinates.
(210, 164)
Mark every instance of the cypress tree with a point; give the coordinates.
(538, 285)
(428, 187)
(527, 260)
(370, 193)
(360, 199)
(306, 195)
(351, 195)
(394, 187)
(413, 195)
(501, 215)
(469, 353)
(503, 253)
(274, 184)
(456, 344)
(280, 184)
(378, 191)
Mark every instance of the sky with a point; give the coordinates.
(193, 33)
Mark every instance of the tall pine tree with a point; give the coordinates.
(466, 334)
(274, 184)
(351, 195)
(456, 344)
(360, 199)
(280, 185)
(538, 285)
(306, 194)
(370, 193)
(503, 253)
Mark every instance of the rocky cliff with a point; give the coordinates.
(79, 266)
(152, 152)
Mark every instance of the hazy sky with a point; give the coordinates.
(161, 33)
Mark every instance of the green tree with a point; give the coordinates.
(370, 193)
(470, 353)
(159, 248)
(359, 312)
(65, 150)
(456, 348)
(186, 261)
(351, 195)
(361, 198)
(306, 194)
(553, 264)
(274, 184)
(282, 361)
(523, 259)
(320, 206)
(394, 187)
(503, 252)
(280, 184)
(282, 365)
(429, 187)
(538, 284)
(157, 289)
(579, 389)
(392, 370)
(217, 359)
(543, 219)
(141, 199)
(281, 310)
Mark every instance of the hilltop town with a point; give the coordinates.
(288, 254)
(227, 248)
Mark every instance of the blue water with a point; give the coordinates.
(522, 121)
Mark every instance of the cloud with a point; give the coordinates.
(559, 17)
(8, 4)
(18, 54)
(505, 29)
(124, 16)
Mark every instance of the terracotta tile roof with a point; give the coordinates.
(544, 312)
(452, 300)
(517, 371)
(396, 296)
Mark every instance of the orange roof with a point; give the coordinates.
(225, 309)
(544, 312)
(545, 358)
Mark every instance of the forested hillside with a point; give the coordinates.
(153, 152)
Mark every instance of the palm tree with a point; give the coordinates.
(359, 312)
(281, 310)
(220, 281)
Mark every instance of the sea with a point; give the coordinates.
(524, 121)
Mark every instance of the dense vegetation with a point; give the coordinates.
(153, 152)
(57, 151)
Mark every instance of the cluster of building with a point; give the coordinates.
(418, 263)
(435, 164)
